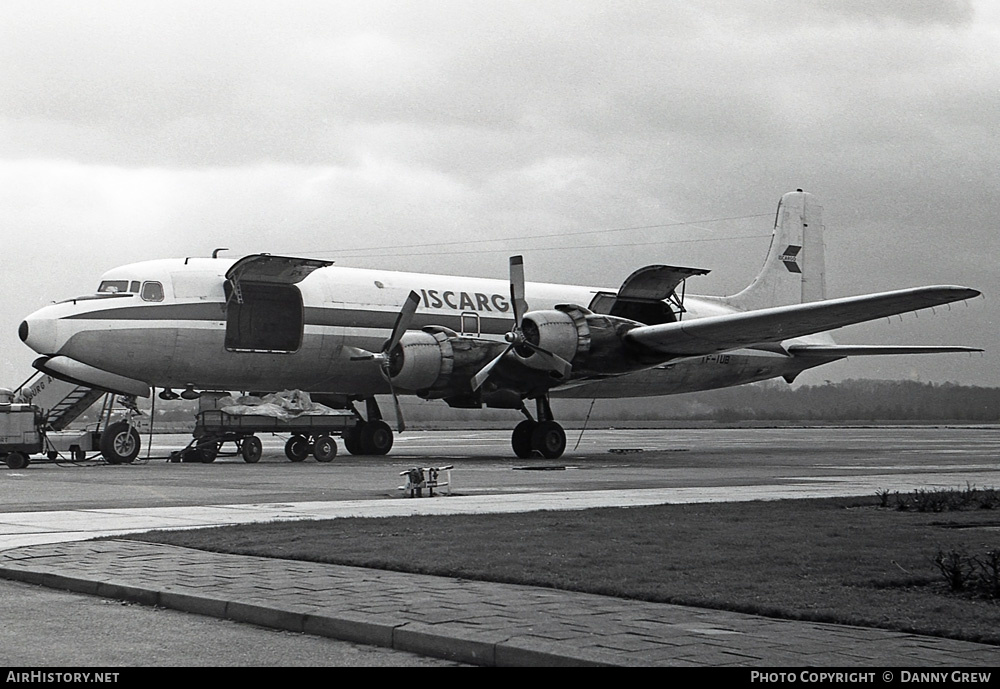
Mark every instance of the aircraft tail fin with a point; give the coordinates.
(794, 271)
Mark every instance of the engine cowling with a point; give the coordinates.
(421, 361)
(592, 343)
(561, 331)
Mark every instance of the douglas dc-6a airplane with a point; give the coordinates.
(267, 323)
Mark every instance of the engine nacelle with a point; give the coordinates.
(421, 361)
(592, 343)
(562, 331)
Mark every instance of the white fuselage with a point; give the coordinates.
(166, 326)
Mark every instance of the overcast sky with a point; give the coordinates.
(444, 136)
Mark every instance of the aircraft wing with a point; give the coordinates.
(720, 333)
(824, 351)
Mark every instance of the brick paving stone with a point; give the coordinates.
(473, 621)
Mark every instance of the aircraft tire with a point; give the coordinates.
(324, 448)
(352, 438)
(297, 448)
(376, 438)
(549, 439)
(520, 439)
(251, 449)
(120, 443)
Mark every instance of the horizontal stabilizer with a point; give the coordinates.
(701, 336)
(823, 351)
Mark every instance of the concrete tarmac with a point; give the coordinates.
(485, 623)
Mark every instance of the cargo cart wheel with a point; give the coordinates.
(17, 460)
(324, 448)
(297, 448)
(120, 443)
(208, 452)
(376, 438)
(251, 449)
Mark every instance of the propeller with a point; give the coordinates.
(516, 337)
(384, 357)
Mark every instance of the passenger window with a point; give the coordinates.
(152, 291)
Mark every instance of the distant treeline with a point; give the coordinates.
(849, 400)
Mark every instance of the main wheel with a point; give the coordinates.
(297, 448)
(520, 439)
(324, 448)
(120, 443)
(352, 439)
(549, 438)
(376, 438)
(251, 449)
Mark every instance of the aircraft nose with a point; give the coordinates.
(39, 333)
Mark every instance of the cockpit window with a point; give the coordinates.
(113, 286)
(152, 291)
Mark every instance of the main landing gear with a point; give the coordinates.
(371, 437)
(545, 436)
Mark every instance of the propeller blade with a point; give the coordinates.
(403, 321)
(556, 362)
(400, 424)
(517, 301)
(484, 372)
(399, 328)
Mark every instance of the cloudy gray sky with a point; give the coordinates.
(594, 137)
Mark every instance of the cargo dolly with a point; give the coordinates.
(310, 434)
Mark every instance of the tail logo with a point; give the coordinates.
(790, 257)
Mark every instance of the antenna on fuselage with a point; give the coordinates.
(215, 254)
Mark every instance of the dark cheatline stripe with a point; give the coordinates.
(330, 317)
(208, 311)
(360, 318)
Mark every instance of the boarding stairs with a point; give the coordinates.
(60, 402)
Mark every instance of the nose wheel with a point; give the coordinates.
(120, 443)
